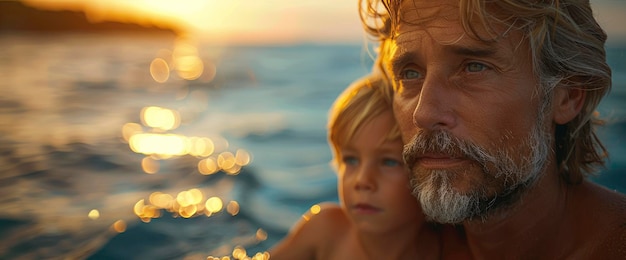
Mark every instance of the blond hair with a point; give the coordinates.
(363, 100)
(567, 49)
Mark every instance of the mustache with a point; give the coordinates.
(443, 142)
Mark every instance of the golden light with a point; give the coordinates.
(159, 70)
(188, 211)
(163, 144)
(182, 8)
(201, 146)
(185, 198)
(315, 209)
(234, 170)
(138, 208)
(261, 235)
(150, 165)
(119, 226)
(189, 67)
(130, 129)
(94, 214)
(160, 118)
(186, 61)
(207, 166)
(242, 157)
(226, 160)
(149, 212)
(239, 252)
(161, 200)
(175, 206)
(261, 256)
(213, 204)
(196, 196)
(232, 208)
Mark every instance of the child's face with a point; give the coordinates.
(373, 182)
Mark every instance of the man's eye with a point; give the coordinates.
(410, 74)
(476, 67)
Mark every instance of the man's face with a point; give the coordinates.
(468, 111)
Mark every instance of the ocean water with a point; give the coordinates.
(65, 100)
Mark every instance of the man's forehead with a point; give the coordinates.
(418, 15)
(422, 11)
(441, 20)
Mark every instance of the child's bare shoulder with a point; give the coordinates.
(315, 235)
(326, 216)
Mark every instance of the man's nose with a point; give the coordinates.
(434, 109)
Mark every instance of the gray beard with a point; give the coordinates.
(441, 203)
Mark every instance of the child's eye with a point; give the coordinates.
(391, 162)
(350, 160)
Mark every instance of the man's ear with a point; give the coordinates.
(567, 104)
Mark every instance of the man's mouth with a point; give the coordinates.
(438, 161)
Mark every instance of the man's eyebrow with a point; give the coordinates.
(401, 58)
(404, 56)
(486, 51)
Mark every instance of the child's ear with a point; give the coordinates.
(567, 104)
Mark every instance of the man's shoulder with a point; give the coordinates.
(604, 210)
(607, 200)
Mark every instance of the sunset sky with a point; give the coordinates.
(271, 21)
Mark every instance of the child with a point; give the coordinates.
(378, 217)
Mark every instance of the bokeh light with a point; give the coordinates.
(239, 252)
(161, 200)
(201, 146)
(242, 157)
(315, 209)
(214, 205)
(189, 67)
(119, 226)
(150, 165)
(186, 61)
(232, 208)
(226, 160)
(261, 256)
(159, 70)
(94, 214)
(164, 144)
(153, 138)
(160, 118)
(261, 235)
(130, 129)
(207, 166)
(234, 170)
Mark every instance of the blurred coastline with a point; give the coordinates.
(19, 17)
(73, 186)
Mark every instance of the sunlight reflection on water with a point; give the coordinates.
(70, 181)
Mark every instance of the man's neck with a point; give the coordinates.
(525, 226)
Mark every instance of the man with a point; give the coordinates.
(495, 101)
